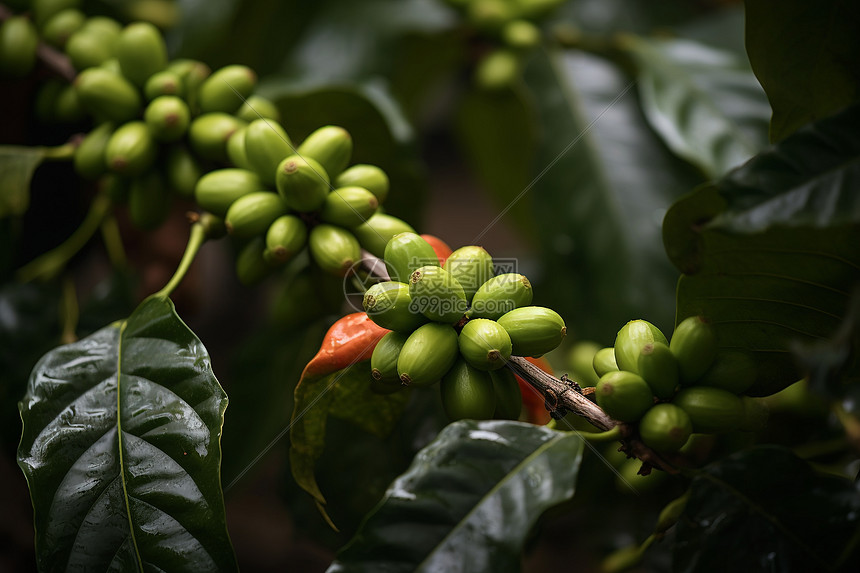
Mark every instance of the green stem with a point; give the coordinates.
(195, 241)
(48, 265)
(65, 152)
(113, 243)
(611, 435)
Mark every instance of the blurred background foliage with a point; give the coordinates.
(625, 106)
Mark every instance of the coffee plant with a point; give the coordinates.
(344, 200)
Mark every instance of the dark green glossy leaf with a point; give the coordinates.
(806, 56)
(705, 103)
(121, 450)
(770, 251)
(497, 132)
(604, 182)
(381, 134)
(17, 165)
(809, 179)
(765, 509)
(468, 500)
(762, 292)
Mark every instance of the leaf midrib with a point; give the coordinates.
(125, 495)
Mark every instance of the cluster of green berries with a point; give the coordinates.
(672, 389)
(510, 26)
(280, 198)
(457, 323)
(168, 129)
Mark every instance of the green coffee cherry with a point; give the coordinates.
(104, 26)
(580, 360)
(93, 43)
(209, 133)
(130, 150)
(731, 370)
(370, 177)
(335, 250)
(252, 214)
(348, 206)
(236, 150)
(521, 35)
(711, 410)
(604, 361)
(68, 107)
(695, 346)
(534, 330)
(108, 95)
(509, 399)
(44, 10)
(256, 107)
(665, 428)
(226, 89)
(193, 73)
(164, 83)
(383, 361)
(90, 155)
(467, 393)
(302, 182)
(500, 295)
(427, 354)
(167, 118)
(251, 266)
(218, 189)
(389, 305)
(148, 201)
(472, 266)
(498, 70)
(60, 27)
(266, 145)
(183, 171)
(375, 233)
(141, 52)
(624, 396)
(331, 146)
(485, 344)
(407, 252)
(285, 238)
(630, 340)
(111, 65)
(436, 294)
(658, 366)
(490, 15)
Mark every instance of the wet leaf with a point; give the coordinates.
(774, 512)
(468, 501)
(705, 103)
(121, 450)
